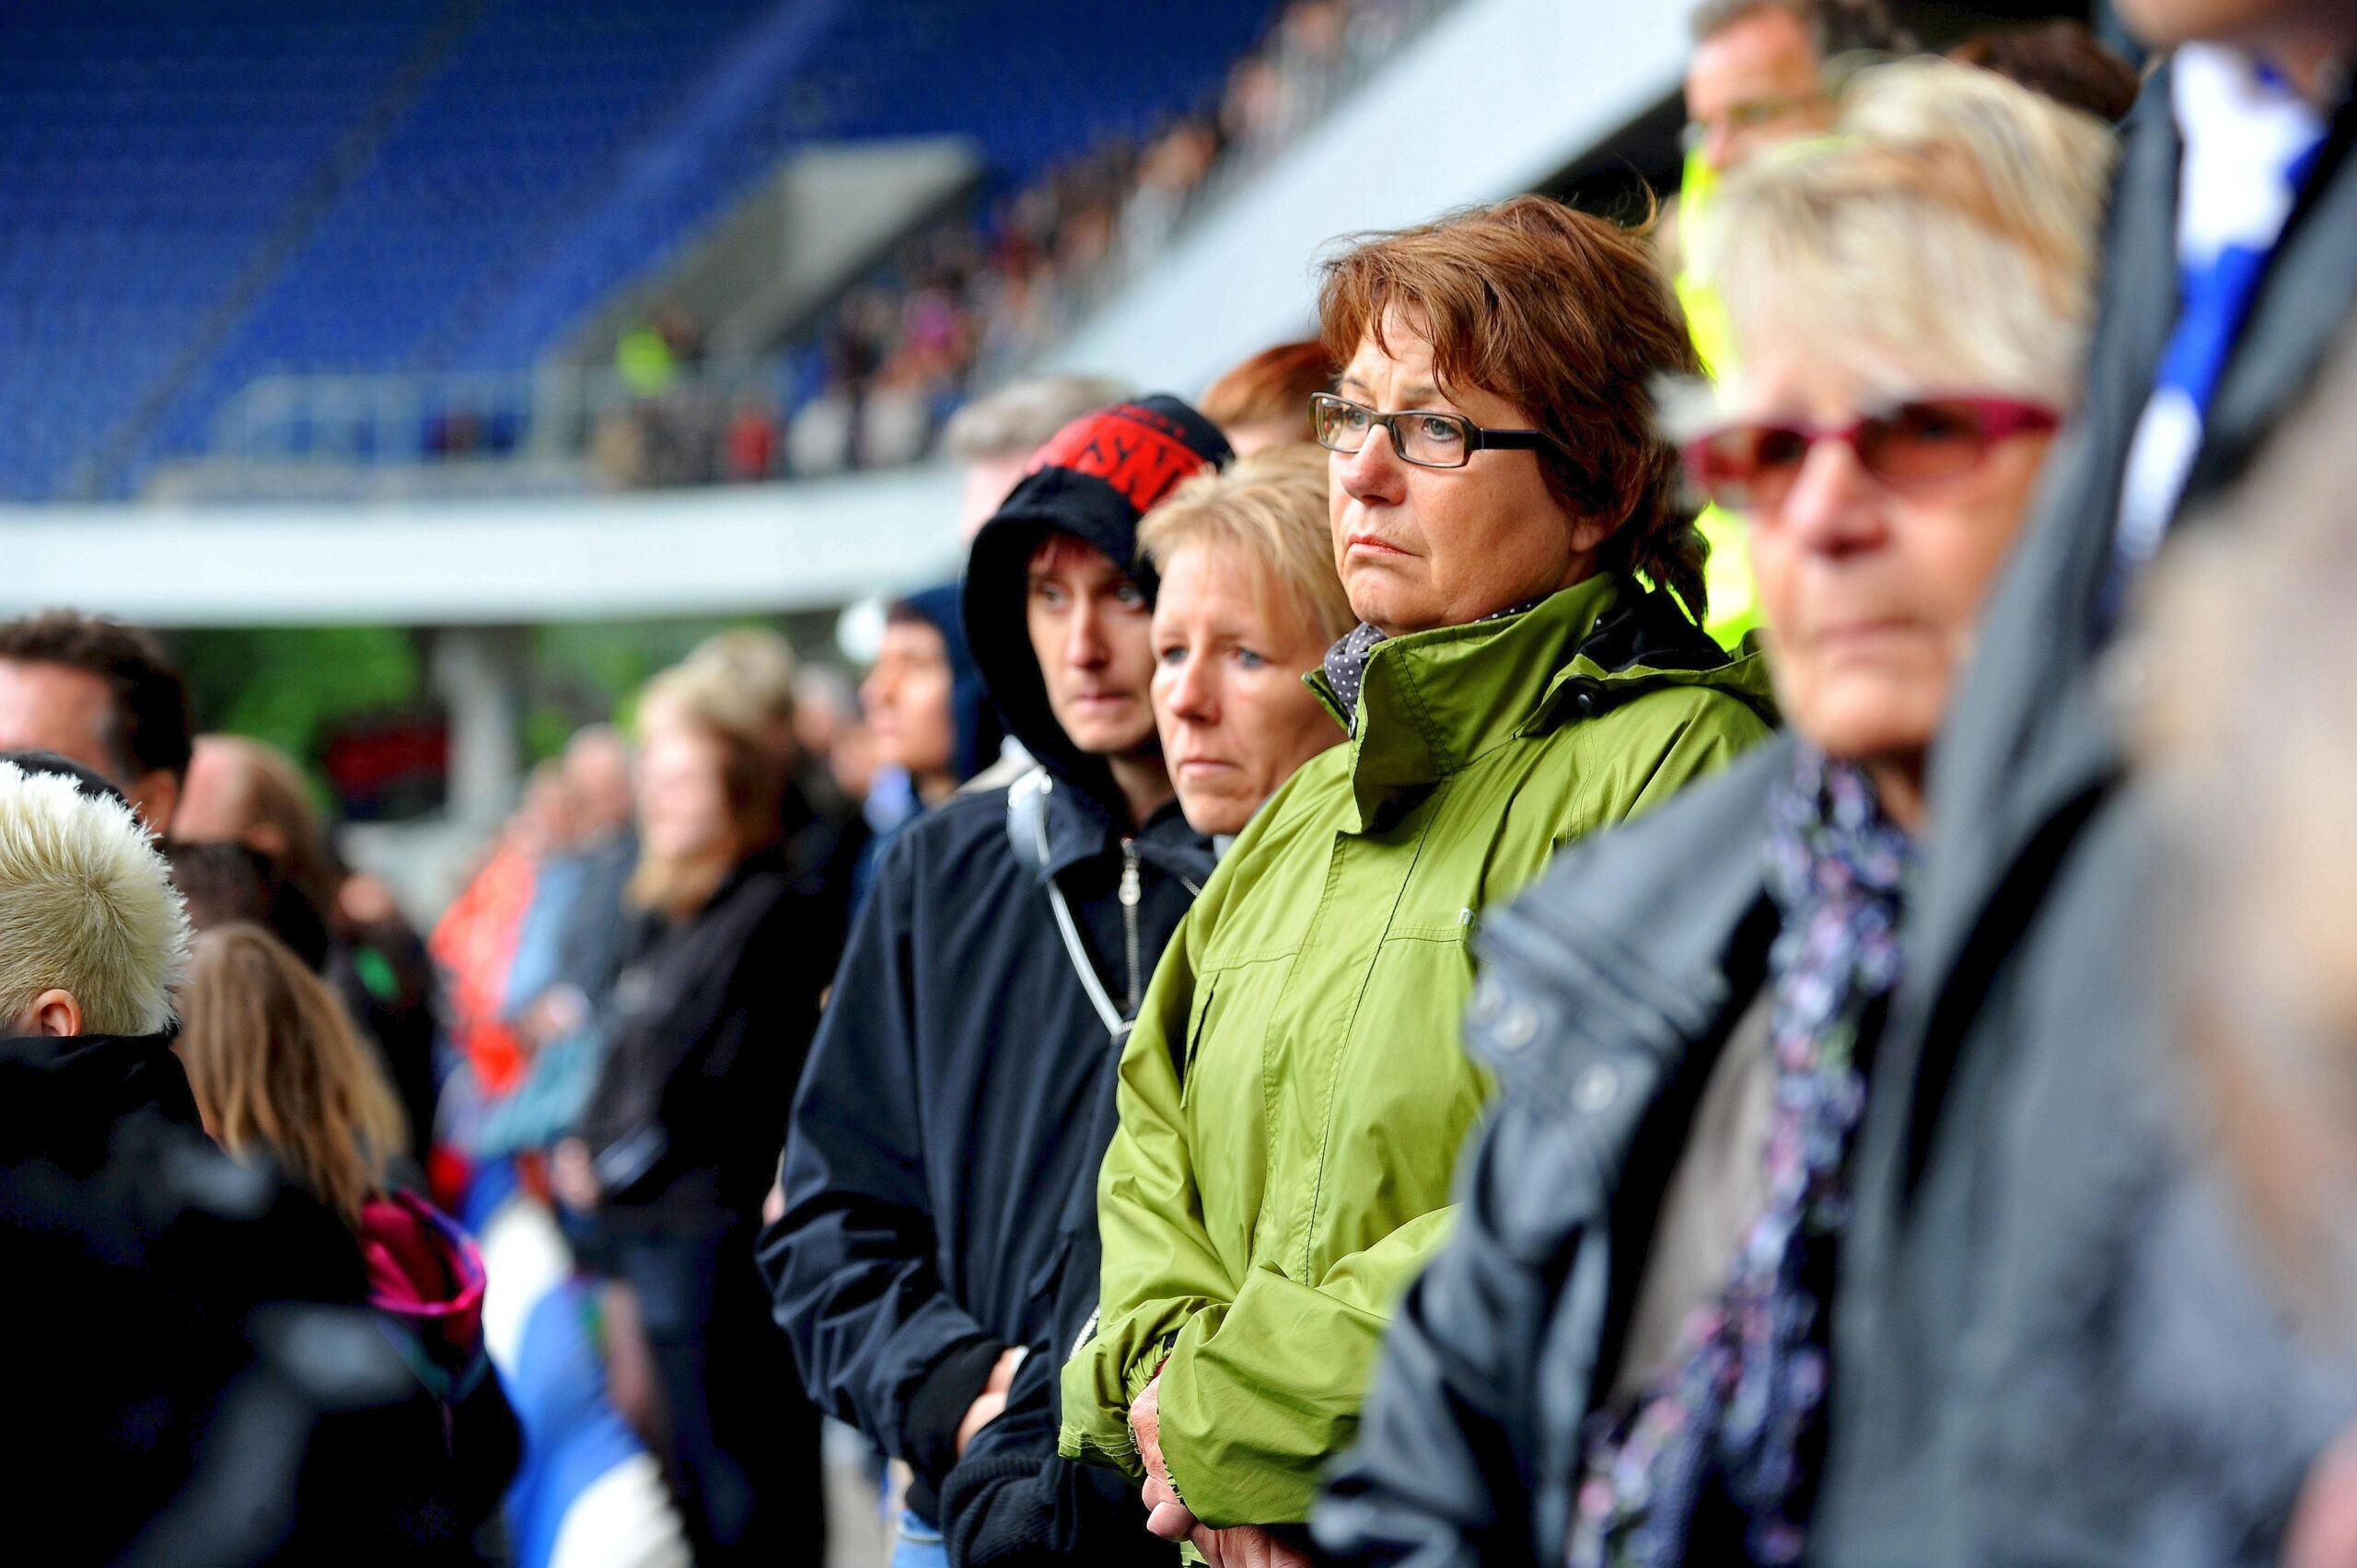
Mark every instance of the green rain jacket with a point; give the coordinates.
(1295, 1094)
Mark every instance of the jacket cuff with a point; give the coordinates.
(994, 1510)
(929, 1424)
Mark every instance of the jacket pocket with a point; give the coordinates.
(1198, 1020)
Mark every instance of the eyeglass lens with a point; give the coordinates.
(1756, 465)
(1434, 440)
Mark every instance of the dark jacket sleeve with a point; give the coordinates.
(849, 1264)
(1439, 1474)
(1011, 1502)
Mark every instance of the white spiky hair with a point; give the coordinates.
(87, 906)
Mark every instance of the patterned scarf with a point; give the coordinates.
(1733, 1432)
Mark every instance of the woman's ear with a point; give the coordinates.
(1588, 534)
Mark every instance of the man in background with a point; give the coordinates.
(993, 437)
(102, 694)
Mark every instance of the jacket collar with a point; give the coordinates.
(1432, 702)
(63, 1086)
(1079, 830)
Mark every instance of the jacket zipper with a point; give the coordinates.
(1130, 920)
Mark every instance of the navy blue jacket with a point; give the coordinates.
(955, 1093)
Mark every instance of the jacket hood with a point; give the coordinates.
(1431, 701)
(58, 1088)
(978, 730)
(1093, 480)
(425, 1274)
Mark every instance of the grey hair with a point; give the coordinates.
(1017, 419)
(1947, 231)
(86, 907)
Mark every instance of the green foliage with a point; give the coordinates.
(292, 685)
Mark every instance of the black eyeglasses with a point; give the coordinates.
(1427, 440)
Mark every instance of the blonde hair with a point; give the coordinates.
(756, 666)
(1947, 226)
(703, 697)
(275, 1064)
(1271, 507)
(86, 907)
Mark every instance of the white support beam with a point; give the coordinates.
(773, 546)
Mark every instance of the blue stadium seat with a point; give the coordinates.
(202, 196)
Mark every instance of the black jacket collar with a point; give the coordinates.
(53, 1087)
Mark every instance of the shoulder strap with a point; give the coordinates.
(1026, 829)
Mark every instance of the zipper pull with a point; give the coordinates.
(1129, 875)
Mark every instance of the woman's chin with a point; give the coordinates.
(1212, 814)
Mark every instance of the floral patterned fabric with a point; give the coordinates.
(1720, 1458)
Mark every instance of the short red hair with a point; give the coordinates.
(1564, 316)
(1274, 384)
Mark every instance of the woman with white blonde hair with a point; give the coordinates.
(1621, 1356)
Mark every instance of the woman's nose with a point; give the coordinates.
(1373, 472)
(1833, 506)
(1192, 696)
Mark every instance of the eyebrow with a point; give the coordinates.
(1420, 392)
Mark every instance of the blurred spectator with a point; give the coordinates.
(993, 437)
(929, 720)
(196, 1331)
(822, 830)
(1760, 75)
(818, 442)
(751, 443)
(2261, 865)
(2044, 1329)
(1264, 402)
(474, 942)
(826, 709)
(277, 1071)
(103, 694)
(2061, 59)
(680, 1139)
(242, 791)
(224, 882)
(923, 697)
(1757, 76)
(978, 297)
(569, 950)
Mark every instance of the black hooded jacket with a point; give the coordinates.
(959, 1089)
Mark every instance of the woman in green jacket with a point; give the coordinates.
(1294, 1098)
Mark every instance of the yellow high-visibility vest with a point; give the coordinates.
(1735, 608)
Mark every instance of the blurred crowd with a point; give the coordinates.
(972, 299)
(1319, 1005)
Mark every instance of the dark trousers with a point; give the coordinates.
(744, 1456)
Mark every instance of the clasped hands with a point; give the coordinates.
(1168, 1516)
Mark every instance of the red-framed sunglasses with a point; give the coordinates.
(1749, 465)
